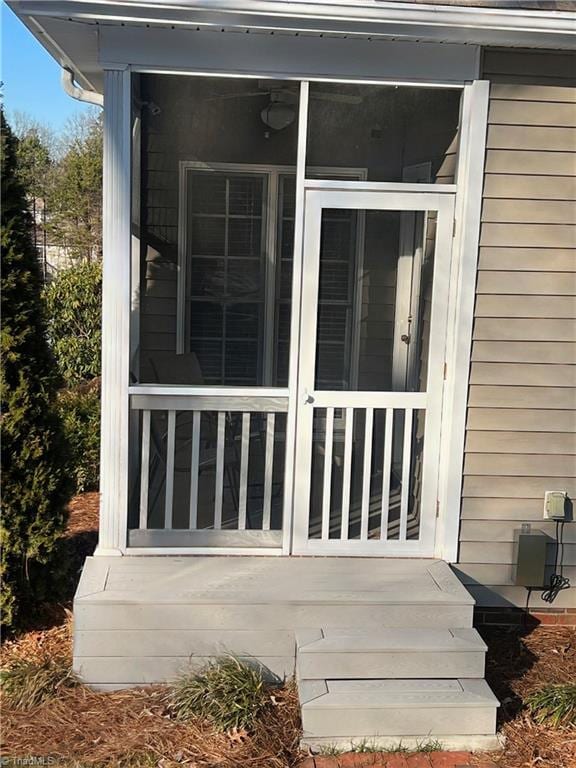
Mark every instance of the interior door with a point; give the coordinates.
(367, 445)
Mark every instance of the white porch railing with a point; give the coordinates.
(236, 417)
(374, 441)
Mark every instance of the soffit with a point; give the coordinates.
(71, 30)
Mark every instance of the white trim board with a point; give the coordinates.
(304, 57)
(485, 26)
(470, 177)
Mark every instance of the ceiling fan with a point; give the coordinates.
(280, 112)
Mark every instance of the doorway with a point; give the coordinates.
(368, 418)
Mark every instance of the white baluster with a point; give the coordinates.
(194, 470)
(145, 469)
(268, 470)
(406, 464)
(244, 455)
(327, 486)
(386, 470)
(219, 489)
(170, 456)
(367, 472)
(347, 473)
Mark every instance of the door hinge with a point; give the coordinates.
(445, 370)
(454, 228)
(437, 507)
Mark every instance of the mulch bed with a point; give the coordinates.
(83, 514)
(133, 729)
(518, 663)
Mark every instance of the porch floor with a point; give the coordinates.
(257, 580)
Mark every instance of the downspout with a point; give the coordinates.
(76, 92)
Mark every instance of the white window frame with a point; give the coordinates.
(270, 236)
(408, 287)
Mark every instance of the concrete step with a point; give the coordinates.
(366, 710)
(389, 653)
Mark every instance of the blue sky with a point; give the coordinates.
(31, 77)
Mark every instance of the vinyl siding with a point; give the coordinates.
(521, 424)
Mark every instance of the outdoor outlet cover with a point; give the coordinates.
(555, 505)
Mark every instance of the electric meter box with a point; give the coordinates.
(530, 558)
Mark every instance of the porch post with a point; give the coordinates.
(115, 314)
(470, 180)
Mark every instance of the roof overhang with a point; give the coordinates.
(70, 29)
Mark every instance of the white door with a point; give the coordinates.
(367, 448)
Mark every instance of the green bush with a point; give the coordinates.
(35, 483)
(25, 684)
(554, 705)
(73, 307)
(228, 693)
(80, 413)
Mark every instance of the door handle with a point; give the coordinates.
(307, 399)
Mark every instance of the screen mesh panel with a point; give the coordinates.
(226, 218)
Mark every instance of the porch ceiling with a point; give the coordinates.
(70, 29)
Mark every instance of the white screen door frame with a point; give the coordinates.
(364, 198)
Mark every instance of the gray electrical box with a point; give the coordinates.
(530, 558)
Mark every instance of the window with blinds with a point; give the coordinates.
(234, 267)
(226, 275)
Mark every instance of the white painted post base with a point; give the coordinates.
(102, 552)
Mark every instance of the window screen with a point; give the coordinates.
(226, 272)
(231, 275)
(286, 209)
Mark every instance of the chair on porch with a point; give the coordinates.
(184, 369)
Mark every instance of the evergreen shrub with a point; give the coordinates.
(34, 452)
(80, 412)
(73, 307)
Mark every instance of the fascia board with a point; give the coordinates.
(319, 15)
(432, 23)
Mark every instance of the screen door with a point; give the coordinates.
(371, 371)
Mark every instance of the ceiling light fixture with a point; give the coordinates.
(278, 115)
